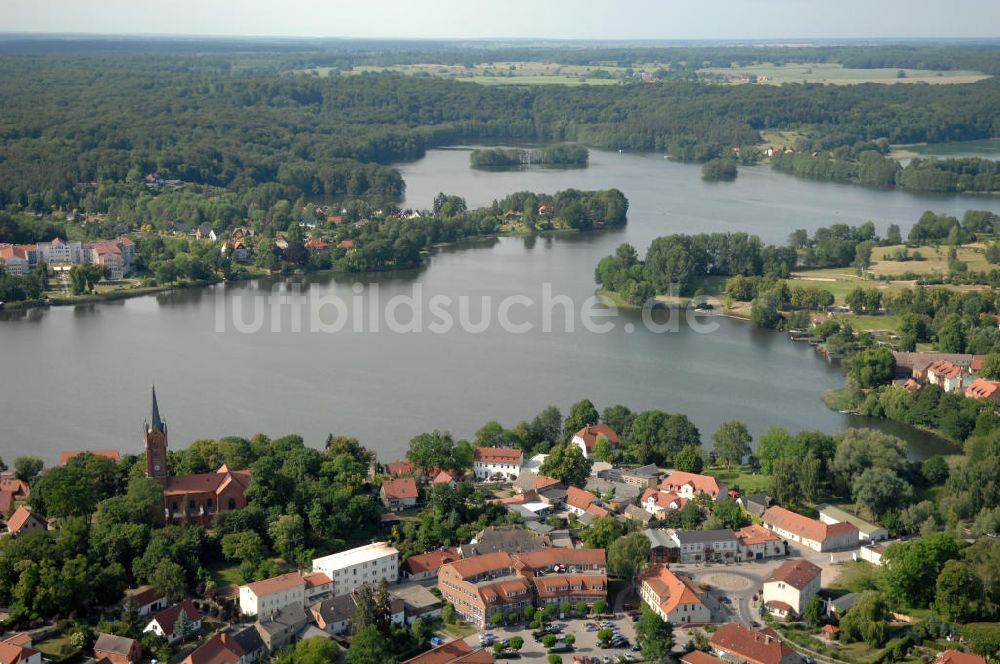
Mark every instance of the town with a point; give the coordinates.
(607, 562)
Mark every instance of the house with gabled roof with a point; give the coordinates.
(579, 501)
(145, 600)
(981, 388)
(113, 455)
(689, 485)
(17, 649)
(588, 436)
(453, 652)
(790, 586)
(810, 533)
(169, 624)
(423, 566)
(736, 643)
(117, 649)
(24, 521)
(953, 656)
(272, 594)
(490, 462)
(399, 493)
(676, 599)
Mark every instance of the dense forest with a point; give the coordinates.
(233, 140)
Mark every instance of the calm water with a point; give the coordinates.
(79, 377)
(985, 149)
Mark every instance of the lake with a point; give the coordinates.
(986, 149)
(79, 377)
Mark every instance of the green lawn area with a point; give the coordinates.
(742, 477)
(856, 576)
(225, 574)
(459, 630)
(56, 647)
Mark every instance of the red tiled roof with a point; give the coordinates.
(477, 565)
(168, 617)
(562, 585)
(276, 584)
(454, 652)
(699, 657)
(756, 647)
(755, 534)
(316, 579)
(345, 244)
(426, 562)
(6, 502)
(14, 654)
(663, 499)
(671, 590)
(398, 467)
(22, 639)
(220, 649)
(796, 573)
(400, 488)
(578, 498)
(508, 455)
(803, 526)
(700, 483)
(16, 486)
(981, 388)
(592, 432)
(205, 482)
(543, 481)
(958, 657)
(20, 517)
(444, 477)
(114, 455)
(781, 606)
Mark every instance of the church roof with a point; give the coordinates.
(155, 422)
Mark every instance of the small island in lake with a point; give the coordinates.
(559, 155)
(720, 169)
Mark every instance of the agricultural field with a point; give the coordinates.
(504, 73)
(837, 75)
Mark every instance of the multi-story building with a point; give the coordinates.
(736, 643)
(349, 570)
(810, 533)
(484, 585)
(757, 543)
(790, 586)
(676, 599)
(643, 476)
(698, 546)
(588, 436)
(493, 461)
(115, 256)
(689, 485)
(271, 595)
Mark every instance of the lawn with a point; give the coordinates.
(856, 576)
(225, 574)
(742, 477)
(935, 260)
(837, 75)
(459, 630)
(55, 648)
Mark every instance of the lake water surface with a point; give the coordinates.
(79, 377)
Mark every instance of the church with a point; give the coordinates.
(190, 498)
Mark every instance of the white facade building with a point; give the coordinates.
(491, 461)
(350, 569)
(270, 595)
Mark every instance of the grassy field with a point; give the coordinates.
(837, 75)
(935, 260)
(225, 574)
(856, 576)
(500, 73)
(55, 648)
(745, 479)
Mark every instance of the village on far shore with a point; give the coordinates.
(724, 589)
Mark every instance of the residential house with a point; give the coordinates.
(268, 595)
(117, 649)
(790, 586)
(676, 599)
(509, 539)
(958, 657)
(948, 376)
(588, 436)
(736, 643)
(23, 521)
(170, 625)
(838, 606)
(916, 365)
(642, 477)
(758, 543)
(399, 493)
(617, 495)
(688, 485)
(280, 627)
(579, 501)
(453, 652)
(700, 657)
(372, 563)
(424, 566)
(497, 462)
(113, 455)
(444, 477)
(662, 547)
(529, 481)
(867, 531)
(755, 504)
(146, 600)
(17, 649)
(11, 491)
(810, 533)
(316, 244)
(333, 615)
(243, 647)
(981, 388)
(658, 502)
(483, 585)
(697, 546)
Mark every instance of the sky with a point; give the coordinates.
(535, 19)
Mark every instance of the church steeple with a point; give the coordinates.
(154, 438)
(155, 422)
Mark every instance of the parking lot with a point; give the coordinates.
(586, 640)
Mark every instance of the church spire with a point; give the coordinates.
(156, 423)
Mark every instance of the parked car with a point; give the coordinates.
(437, 641)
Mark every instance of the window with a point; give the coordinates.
(232, 503)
